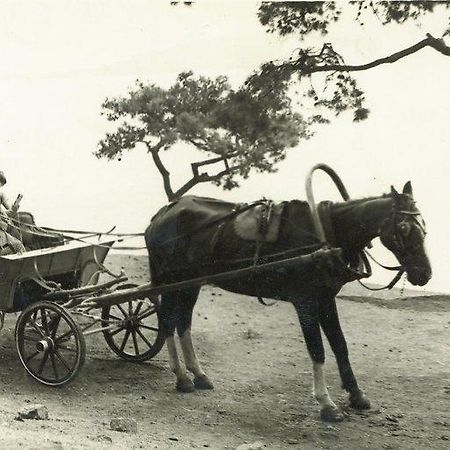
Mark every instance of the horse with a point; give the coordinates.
(183, 243)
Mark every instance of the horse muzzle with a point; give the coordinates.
(418, 276)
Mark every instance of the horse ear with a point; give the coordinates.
(407, 189)
(394, 192)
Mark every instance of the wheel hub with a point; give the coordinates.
(45, 345)
(132, 323)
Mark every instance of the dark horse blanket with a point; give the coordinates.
(192, 230)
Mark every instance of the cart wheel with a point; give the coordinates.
(136, 332)
(50, 344)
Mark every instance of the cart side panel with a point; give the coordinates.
(69, 258)
(89, 267)
(8, 281)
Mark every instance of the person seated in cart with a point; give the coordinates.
(8, 243)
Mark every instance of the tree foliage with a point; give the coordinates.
(341, 92)
(303, 18)
(246, 127)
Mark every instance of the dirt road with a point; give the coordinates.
(257, 360)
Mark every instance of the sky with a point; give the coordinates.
(62, 58)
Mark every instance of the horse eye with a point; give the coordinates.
(404, 228)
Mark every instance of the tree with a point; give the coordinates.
(242, 128)
(341, 92)
(253, 127)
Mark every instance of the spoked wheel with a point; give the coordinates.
(50, 344)
(133, 328)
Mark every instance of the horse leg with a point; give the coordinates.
(308, 315)
(168, 322)
(329, 321)
(184, 324)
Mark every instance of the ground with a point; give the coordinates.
(256, 357)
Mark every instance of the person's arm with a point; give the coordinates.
(15, 206)
(4, 202)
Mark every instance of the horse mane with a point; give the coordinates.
(362, 200)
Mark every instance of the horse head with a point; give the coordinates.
(403, 233)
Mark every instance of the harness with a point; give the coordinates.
(363, 268)
(263, 227)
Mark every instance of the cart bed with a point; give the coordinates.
(74, 257)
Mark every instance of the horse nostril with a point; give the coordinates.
(419, 278)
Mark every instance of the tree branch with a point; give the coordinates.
(214, 160)
(430, 41)
(200, 145)
(186, 187)
(154, 150)
(196, 179)
(202, 178)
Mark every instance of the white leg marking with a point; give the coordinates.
(320, 390)
(174, 362)
(190, 358)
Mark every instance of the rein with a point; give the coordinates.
(35, 230)
(393, 282)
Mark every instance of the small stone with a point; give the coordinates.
(252, 334)
(173, 438)
(392, 419)
(123, 425)
(292, 441)
(254, 446)
(329, 435)
(37, 412)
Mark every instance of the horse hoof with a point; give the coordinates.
(203, 382)
(359, 401)
(331, 414)
(185, 385)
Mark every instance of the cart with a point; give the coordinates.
(48, 286)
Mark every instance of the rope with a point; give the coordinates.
(92, 232)
(61, 231)
(87, 234)
(121, 247)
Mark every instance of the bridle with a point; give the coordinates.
(398, 246)
(396, 239)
